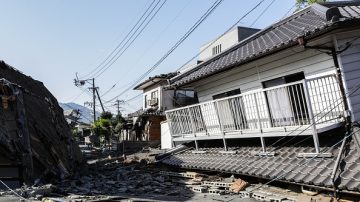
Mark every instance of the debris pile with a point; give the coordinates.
(140, 178)
(35, 141)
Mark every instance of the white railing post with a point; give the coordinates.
(170, 129)
(221, 125)
(193, 128)
(259, 123)
(311, 116)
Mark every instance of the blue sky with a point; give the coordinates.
(51, 40)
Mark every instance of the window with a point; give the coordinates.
(216, 49)
(232, 110)
(154, 94)
(287, 105)
(185, 93)
(145, 98)
(227, 94)
(185, 97)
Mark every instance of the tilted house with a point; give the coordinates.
(157, 99)
(279, 102)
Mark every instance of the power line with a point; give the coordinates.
(177, 44)
(262, 13)
(91, 73)
(160, 34)
(229, 29)
(122, 50)
(101, 71)
(108, 90)
(307, 161)
(292, 7)
(133, 98)
(15, 193)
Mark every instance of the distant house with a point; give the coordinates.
(224, 42)
(296, 80)
(157, 99)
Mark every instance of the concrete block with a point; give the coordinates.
(199, 189)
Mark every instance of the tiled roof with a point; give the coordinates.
(285, 165)
(310, 22)
(156, 77)
(147, 112)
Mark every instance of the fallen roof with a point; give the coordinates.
(309, 23)
(284, 166)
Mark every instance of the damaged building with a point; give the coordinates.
(35, 139)
(281, 105)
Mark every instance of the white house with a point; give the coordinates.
(225, 41)
(283, 104)
(157, 99)
(299, 72)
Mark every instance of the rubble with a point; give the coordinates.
(35, 141)
(140, 178)
(238, 186)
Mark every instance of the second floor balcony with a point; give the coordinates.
(305, 107)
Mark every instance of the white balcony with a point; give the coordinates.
(305, 107)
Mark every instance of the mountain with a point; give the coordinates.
(86, 113)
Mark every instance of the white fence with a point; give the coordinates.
(299, 103)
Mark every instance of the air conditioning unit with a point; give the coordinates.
(153, 102)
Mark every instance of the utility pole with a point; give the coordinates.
(117, 104)
(94, 90)
(101, 104)
(94, 98)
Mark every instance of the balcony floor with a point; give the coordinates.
(304, 130)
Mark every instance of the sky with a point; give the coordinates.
(53, 40)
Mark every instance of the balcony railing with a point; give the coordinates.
(313, 102)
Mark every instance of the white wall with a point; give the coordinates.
(165, 97)
(350, 64)
(226, 42)
(165, 136)
(250, 76)
(148, 96)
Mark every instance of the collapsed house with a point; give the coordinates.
(280, 105)
(35, 139)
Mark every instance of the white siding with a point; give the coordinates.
(148, 96)
(350, 63)
(249, 76)
(226, 42)
(165, 136)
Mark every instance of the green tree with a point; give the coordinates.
(102, 128)
(303, 3)
(106, 115)
(106, 125)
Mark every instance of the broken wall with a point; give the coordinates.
(35, 138)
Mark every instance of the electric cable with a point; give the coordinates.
(214, 41)
(306, 162)
(160, 34)
(262, 13)
(182, 39)
(117, 47)
(121, 51)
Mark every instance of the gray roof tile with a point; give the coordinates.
(284, 166)
(308, 22)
